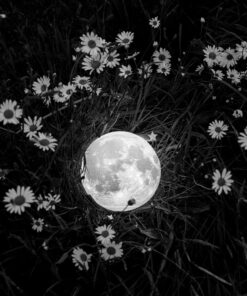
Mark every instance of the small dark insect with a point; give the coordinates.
(131, 202)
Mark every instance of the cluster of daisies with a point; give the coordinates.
(11, 113)
(97, 54)
(17, 200)
(109, 249)
(226, 63)
(217, 130)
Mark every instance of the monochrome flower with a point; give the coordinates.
(199, 69)
(112, 250)
(218, 74)
(217, 129)
(10, 112)
(234, 75)
(81, 259)
(31, 126)
(44, 141)
(125, 71)
(164, 68)
(161, 56)
(242, 49)
(154, 22)
(38, 224)
(242, 139)
(125, 39)
(41, 85)
(222, 181)
(91, 43)
(67, 90)
(105, 234)
(112, 58)
(145, 70)
(82, 82)
(228, 58)
(52, 201)
(212, 55)
(18, 200)
(94, 63)
(237, 113)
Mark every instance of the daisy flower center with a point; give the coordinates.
(229, 57)
(44, 142)
(32, 128)
(111, 250)
(43, 88)
(212, 55)
(8, 114)
(95, 64)
(127, 72)
(91, 44)
(19, 200)
(162, 57)
(221, 182)
(218, 129)
(110, 58)
(126, 40)
(105, 233)
(69, 91)
(83, 257)
(82, 82)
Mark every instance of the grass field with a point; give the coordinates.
(72, 71)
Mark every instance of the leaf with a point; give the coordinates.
(151, 233)
(63, 258)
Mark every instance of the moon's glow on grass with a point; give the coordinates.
(121, 166)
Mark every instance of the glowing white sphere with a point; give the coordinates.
(121, 171)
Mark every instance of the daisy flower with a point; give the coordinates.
(58, 96)
(212, 55)
(125, 39)
(10, 112)
(19, 199)
(218, 74)
(112, 250)
(112, 59)
(67, 90)
(81, 259)
(45, 141)
(125, 71)
(145, 70)
(91, 43)
(242, 139)
(199, 69)
(105, 234)
(228, 58)
(222, 181)
(160, 56)
(164, 68)
(242, 49)
(41, 203)
(154, 22)
(38, 224)
(41, 85)
(234, 75)
(217, 129)
(237, 113)
(94, 63)
(31, 126)
(82, 82)
(52, 200)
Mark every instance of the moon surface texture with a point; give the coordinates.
(121, 171)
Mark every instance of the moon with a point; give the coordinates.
(121, 171)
